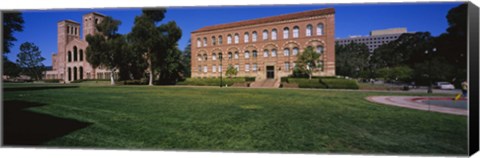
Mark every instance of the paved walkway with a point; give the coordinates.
(418, 103)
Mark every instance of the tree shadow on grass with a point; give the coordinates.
(22, 127)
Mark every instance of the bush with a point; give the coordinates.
(79, 81)
(250, 79)
(52, 81)
(306, 83)
(339, 83)
(134, 82)
(212, 81)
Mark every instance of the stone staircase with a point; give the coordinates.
(266, 83)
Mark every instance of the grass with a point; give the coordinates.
(239, 119)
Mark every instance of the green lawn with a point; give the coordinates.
(241, 119)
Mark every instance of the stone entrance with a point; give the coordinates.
(270, 72)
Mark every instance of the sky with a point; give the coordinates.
(40, 26)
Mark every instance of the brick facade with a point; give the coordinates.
(311, 28)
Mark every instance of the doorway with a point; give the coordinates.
(270, 72)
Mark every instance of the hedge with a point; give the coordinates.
(322, 82)
(212, 81)
(339, 83)
(307, 83)
(51, 80)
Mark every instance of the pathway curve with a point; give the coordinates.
(414, 102)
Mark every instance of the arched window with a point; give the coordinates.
(204, 41)
(69, 74)
(205, 68)
(309, 30)
(199, 57)
(81, 54)
(247, 54)
(81, 73)
(205, 57)
(237, 38)
(320, 29)
(236, 55)
(75, 73)
(274, 52)
(319, 49)
(214, 56)
(246, 37)
(295, 31)
(265, 53)
(229, 39)
(220, 56)
(254, 53)
(75, 53)
(214, 41)
(69, 56)
(286, 52)
(229, 55)
(295, 51)
(214, 68)
(199, 43)
(220, 39)
(274, 34)
(286, 32)
(254, 36)
(247, 67)
(265, 35)
(68, 32)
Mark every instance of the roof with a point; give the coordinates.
(96, 13)
(70, 21)
(283, 17)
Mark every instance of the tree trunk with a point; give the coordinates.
(310, 76)
(150, 80)
(112, 81)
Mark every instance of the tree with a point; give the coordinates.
(12, 22)
(308, 62)
(169, 57)
(145, 37)
(30, 59)
(11, 69)
(351, 59)
(187, 53)
(231, 71)
(106, 47)
(398, 73)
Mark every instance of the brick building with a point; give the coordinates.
(70, 63)
(266, 47)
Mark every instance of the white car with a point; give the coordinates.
(444, 85)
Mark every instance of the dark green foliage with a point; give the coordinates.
(52, 81)
(339, 83)
(398, 73)
(10, 68)
(322, 82)
(12, 22)
(231, 71)
(351, 60)
(250, 79)
(30, 60)
(307, 83)
(308, 62)
(186, 60)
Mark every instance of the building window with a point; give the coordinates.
(247, 54)
(286, 32)
(320, 29)
(214, 68)
(214, 41)
(199, 43)
(287, 66)
(237, 38)
(69, 56)
(254, 67)
(214, 56)
(265, 35)
(229, 39)
(309, 30)
(75, 53)
(254, 54)
(320, 49)
(220, 68)
(295, 51)
(265, 53)
(247, 67)
(199, 68)
(274, 34)
(205, 68)
(274, 52)
(286, 52)
(220, 40)
(81, 55)
(295, 31)
(320, 64)
(236, 55)
(205, 41)
(254, 36)
(229, 55)
(246, 37)
(237, 67)
(68, 29)
(205, 57)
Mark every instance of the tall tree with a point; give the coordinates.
(30, 59)
(169, 56)
(187, 57)
(10, 68)
(145, 37)
(308, 62)
(351, 59)
(12, 22)
(106, 47)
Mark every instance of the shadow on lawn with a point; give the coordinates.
(10, 89)
(22, 127)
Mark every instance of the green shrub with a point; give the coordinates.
(52, 81)
(250, 79)
(306, 83)
(212, 81)
(339, 83)
(284, 79)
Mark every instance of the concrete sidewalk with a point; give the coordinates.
(413, 102)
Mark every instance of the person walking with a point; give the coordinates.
(464, 88)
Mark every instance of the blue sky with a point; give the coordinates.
(350, 19)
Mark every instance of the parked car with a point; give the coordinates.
(444, 85)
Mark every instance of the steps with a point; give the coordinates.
(267, 83)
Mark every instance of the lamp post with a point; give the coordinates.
(221, 69)
(429, 70)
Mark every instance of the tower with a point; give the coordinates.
(67, 30)
(89, 21)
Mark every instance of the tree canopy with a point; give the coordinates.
(308, 61)
(30, 60)
(12, 22)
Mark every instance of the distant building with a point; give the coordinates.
(376, 38)
(70, 63)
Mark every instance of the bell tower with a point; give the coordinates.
(89, 21)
